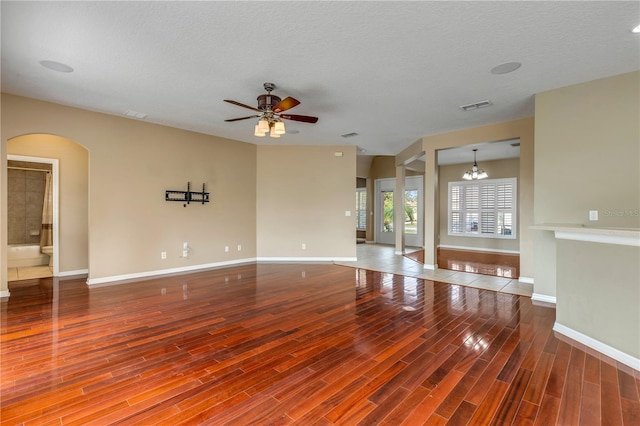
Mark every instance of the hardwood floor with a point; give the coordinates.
(484, 263)
(297, 344)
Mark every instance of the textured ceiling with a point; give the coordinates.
(390, 71)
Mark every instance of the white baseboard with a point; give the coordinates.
(603, 348)
(537, 297)
(430, 266)
(140, 275)
(488, 250)
(306, 259)
(71, 273)
(526, 280)
(4, 293)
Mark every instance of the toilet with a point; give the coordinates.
(48, 250)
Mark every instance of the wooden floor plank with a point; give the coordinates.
(269, 344)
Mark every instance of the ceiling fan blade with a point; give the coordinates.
(303, 118)
(241, 118)
(242, 105)
(285, 104)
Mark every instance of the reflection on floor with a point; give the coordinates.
(383, 259)
(505, 265)
(28, 273)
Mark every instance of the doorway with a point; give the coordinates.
(24, 269)
(413, 211)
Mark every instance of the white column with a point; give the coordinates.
(398, 210)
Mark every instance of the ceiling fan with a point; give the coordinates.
(270, 109)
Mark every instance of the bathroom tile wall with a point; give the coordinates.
(25, 195)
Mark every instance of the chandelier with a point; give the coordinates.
(475, 172)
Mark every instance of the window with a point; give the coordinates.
(484, 209)
(361, 209)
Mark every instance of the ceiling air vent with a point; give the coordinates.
(349, 135)
(515, 144)
(135, 114)
(476, 105)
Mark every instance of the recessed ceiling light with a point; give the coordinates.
(636, 30)
(56, 66)
(506, 68)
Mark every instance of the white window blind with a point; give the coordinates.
(483, 209)
(361, 208)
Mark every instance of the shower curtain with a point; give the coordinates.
(46, 234)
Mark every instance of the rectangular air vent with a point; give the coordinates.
(515, 144)
(476, 105)
(135, 114)
(349, 135)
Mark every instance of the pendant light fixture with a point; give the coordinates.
(474, 172)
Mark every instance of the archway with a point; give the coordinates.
(71, 230)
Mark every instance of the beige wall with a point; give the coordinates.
(588, 152)
(302, 196)
(132, 163)
(587, 157)
(73, 168)
(599, 292)
(496, 170)
(522, 129)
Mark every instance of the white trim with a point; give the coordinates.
(139, 275)
(603, 348)
(623, 240)
(430, 267)
(4, 293)
(526, 280)
(306, 259)
(543, 298)
(71, 273)
(489, 250)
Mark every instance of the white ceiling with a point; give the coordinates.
(390, 71)
(486, 151)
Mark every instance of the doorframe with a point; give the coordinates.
(56, 192)
(377, 216)
(378, 213)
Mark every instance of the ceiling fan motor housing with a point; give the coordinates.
(266, 102)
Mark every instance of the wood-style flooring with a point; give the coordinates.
(274, 344)
(486, 263)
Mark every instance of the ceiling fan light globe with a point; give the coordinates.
(257, 132)
(278, 128)
(273, 133)
(263, 125)
(467, 175)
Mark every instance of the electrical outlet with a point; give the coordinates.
(185, 253)
(239, 247)
(593, 214)
(226, 249)
(347, 213)
(163, 255)
(304, 246)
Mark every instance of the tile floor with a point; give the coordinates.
(383, 259)
(28, 273)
